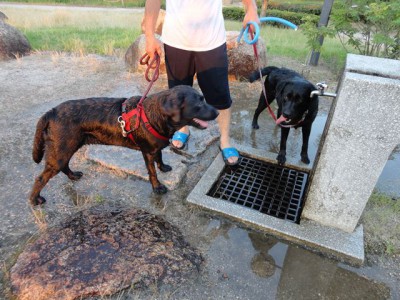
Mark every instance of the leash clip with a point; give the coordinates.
(122, 125)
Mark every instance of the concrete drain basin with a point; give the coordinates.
(261, 194)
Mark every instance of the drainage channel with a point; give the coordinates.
(268, 188)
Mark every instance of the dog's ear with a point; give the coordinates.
(172, 106)
(280, 87)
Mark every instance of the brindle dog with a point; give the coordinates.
(64, 129)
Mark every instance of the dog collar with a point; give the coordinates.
(297, 124)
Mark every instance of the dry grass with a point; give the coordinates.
(31, 18)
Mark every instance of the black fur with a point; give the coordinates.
(292, 93)
(64, 129)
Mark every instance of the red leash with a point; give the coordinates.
(124, 119)
(271, 112)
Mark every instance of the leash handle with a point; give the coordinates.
(245, 33)
(245, 30)
(153, 64)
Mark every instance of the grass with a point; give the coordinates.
(293, 44)
(381, 220)
(104, 41)
(97, 3)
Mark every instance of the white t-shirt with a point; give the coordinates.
(195, 25)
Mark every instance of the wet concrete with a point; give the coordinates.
(240, 262)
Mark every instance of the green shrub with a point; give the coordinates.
(313, 32)
(370, 26)
(237, 14)
(294, 17)
(312, 7)
(233, 13)
(299, 8)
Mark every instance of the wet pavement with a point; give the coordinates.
(240, 262)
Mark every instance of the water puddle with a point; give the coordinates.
(275, 270)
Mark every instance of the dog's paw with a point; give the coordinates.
(281, 158)
(160, 190)
(165, 168)
(255, 125)
(75, 175)
(39, 200)
(305, 159)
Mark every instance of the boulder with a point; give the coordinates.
(3, 17)
(159, 23)
(100, 251)
(136, 51)
(242, 60)
(241, 56)
(12, 42)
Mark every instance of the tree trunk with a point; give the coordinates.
(264, 8)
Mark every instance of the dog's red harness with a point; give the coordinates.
(124, 119)
(125, 123)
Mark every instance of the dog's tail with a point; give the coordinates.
(38, 142)
(256, 74)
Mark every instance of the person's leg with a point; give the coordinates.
(224, 122)
(212, 76)
(180, 71)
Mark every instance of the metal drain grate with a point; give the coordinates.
(271, 189)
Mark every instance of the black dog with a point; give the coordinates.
(66, 128)
(296, 106)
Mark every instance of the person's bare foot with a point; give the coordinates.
(177, 143)
(232, 160)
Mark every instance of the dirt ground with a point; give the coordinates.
(31, 85)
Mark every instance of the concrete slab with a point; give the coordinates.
(199, 140)
(131, 162)
(348, 247)
(356, 148)
(375, 66)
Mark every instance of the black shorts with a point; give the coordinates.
(211, 68)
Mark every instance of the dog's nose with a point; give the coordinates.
(287, 116)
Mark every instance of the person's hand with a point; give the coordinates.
(153, 45)
(251, 15)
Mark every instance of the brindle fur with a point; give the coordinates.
(64, 129)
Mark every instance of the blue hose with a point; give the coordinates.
(245, 30)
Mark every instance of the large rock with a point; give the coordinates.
(101, 251)
(159, 23)
(136, 51)
(242, 60)
(3, 17)
(12, 42)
